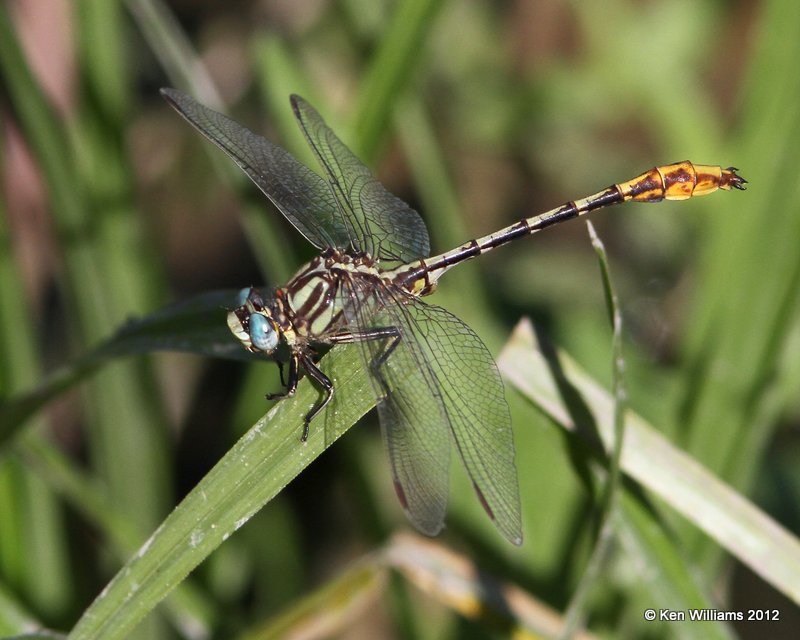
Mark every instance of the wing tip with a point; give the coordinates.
(297, 102)
(511, 533)
(169, 94)
(427, 527)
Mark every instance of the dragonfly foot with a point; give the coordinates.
(280, 395)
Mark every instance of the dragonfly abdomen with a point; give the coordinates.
(678, 181)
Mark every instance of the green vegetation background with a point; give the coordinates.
(478, 114)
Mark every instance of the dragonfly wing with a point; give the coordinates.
(413, 426)
(381, 224)
(439, 385)
(470, 390)
(299, 193)
(419, 454)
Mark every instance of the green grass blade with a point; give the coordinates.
(399, 50)
(264, 461)
(31, 515)
(14, 619)
(649, 459)
(748, 284)
(577, 610)
(44, 132)
(187, 607)
(174, 50)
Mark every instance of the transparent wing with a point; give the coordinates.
(439, 384)
(299, 193)
(380, 223)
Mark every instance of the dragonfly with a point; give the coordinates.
(436, 384)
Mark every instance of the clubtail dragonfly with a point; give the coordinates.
(435, 381)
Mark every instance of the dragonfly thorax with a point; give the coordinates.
(314, 300)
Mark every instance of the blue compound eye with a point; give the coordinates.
(262, 335)
(241, 298)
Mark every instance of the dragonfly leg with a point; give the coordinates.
(322, 380)
(291, 382)
(379, 360)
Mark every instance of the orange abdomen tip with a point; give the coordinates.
(680, 181)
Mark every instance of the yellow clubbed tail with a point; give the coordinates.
(680, 181)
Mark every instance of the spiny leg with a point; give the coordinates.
(280, 373)
(322, 380)
(291, 382)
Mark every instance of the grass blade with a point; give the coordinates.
(577, 609)
(264, 461)
(389, 68)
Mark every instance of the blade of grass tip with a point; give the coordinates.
(174, 50)
(617, 369)
(399, 50)
(194, 326)
(652, 461)
(576, 611)
(669, 581)
(258, 466)
(455, 581)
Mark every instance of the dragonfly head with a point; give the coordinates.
(252, 323)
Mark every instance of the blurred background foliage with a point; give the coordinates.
(477, 113)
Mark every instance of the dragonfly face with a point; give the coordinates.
(435, 383)
(252, 323)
